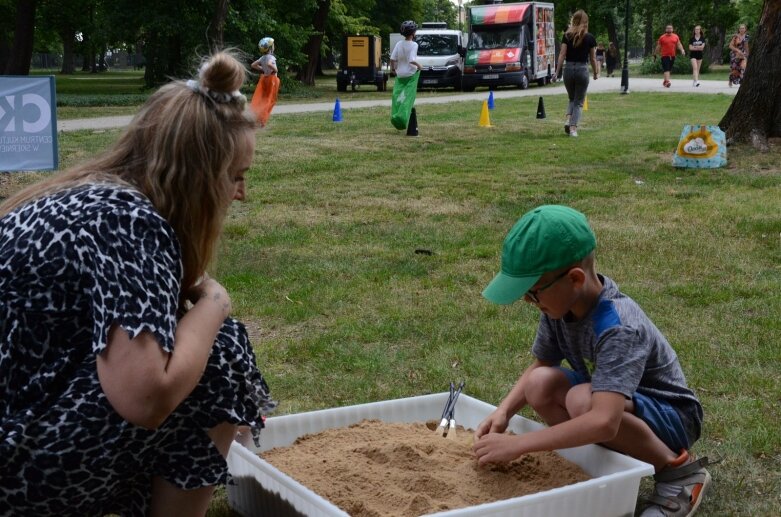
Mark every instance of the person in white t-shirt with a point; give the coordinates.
(405, 53)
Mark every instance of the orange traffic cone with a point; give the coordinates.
(485, 118)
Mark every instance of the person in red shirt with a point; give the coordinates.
(667, 45)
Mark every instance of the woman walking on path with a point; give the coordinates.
(578, 47)
(123, 379)
(738, 55)
(696, 48)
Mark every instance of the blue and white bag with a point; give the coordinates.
(701, 147)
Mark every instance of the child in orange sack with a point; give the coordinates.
(265, 96)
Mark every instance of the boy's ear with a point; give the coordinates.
(577, 276)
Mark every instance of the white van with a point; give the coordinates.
(438, 54)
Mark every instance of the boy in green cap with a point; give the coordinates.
(623, 387)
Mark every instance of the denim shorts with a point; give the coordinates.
(661, 417)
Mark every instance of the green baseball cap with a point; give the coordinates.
(545, 239)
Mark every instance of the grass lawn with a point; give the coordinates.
(321, 263)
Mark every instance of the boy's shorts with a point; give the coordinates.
(660, 416)
(667, 63)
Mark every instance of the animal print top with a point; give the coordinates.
(71, 264)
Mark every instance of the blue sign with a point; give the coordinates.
(28, 123)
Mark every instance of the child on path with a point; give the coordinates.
(623, 386)
(578, 47)
(404, 64)
(666, 46)
(265, 97)
(600, 58)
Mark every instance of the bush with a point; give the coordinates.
(682, 65)
(80, 101)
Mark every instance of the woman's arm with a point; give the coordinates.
(592, 56)
(144, 383)
(560, 62)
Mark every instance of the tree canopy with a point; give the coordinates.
(172, 33)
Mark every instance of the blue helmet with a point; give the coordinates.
(266, 45)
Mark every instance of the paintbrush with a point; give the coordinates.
(451, 433)
(442, 429)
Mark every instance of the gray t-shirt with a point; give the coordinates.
(619, 349)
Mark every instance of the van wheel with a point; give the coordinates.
(524, 82)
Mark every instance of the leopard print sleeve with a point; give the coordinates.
(131, 266)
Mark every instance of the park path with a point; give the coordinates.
(602, 85)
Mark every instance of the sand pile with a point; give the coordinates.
(380, 469)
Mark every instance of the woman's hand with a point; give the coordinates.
(209, 290)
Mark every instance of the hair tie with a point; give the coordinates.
(219, 97)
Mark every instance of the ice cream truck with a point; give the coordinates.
(509, 45)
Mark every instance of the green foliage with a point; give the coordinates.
(440, 11)
(101, 100)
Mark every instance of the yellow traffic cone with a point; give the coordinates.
(485, 119)
(585, 103)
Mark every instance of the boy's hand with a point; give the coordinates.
(497, 448)
(496, 422)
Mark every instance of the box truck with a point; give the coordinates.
(509, 45)
(439, 53)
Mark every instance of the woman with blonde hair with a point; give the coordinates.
(123, 379)
(578, 47)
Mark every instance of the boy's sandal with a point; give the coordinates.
(686, 502)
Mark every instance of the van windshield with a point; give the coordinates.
(491, 37)
(436, 44)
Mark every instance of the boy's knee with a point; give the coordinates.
(544, 382)
(578, 401)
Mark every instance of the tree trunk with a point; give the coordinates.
(612, 32)
(22, 46)
(217, 25)
(715, 45)
(312, 48)
(67, 53)
(648, 41)
(755, 112)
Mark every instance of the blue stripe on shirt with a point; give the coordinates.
(605, 317)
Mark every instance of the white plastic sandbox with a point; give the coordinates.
(259, 489)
